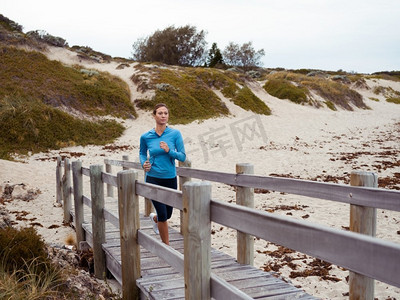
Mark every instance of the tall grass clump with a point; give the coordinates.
(187, 97)
(393, 100)
(337, 93)
(189, 92)
(284, 89)
(246, 99)
(20, 247)
(28, 283)
(31, 74)
(29, 125)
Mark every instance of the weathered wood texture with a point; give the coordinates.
(388, 199)
(362, 220)
(245, 197)
(197, 239)
(182, 181)
(316, 240)
(110, 188)
(129, 224)
(78, 200)
(98, 222)
(59, 180)
(162, 280)
(66, 183)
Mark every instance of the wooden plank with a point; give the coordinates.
(110, 187)
(129, 224)
(362, 220)
(98, 222)
(245, 197)
(85, 171)
(122, 163)
(66, 184)
(174, 258)
(86, 201)
(220, 289)
(111, 217)
(59, 180)
(388, 199)
(159, 193)
(113, 265)
(78, 203)
(316, 240)
(109, 179)
(197, 239)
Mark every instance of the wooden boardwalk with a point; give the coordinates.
(161, 281)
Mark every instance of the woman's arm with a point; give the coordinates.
(142, 150)
(180, 153)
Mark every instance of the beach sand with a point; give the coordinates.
(295, 141)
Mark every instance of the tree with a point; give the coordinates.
(243, 56)
(183, 46)
(214, 56)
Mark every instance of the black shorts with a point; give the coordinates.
(164, 212)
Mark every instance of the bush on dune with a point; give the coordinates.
(30, 125)
(31, 74)
(188, 92)
(297, 86)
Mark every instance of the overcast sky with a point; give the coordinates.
(352, 35)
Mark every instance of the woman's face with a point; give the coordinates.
(161, 115)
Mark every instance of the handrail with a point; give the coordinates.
(325, 243)
(364, 196)
(343, 248)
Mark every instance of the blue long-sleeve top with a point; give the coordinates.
(162, 163)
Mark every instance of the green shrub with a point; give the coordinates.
(20, 247)
(32, 75)
(188, 97)
(283, 89)
(393, 100)
(246, 99)
(336, 92)
(30, 125)
(330, 105)
(374, 99)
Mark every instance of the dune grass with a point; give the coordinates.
(284, 89)
(28, 125)
(31, 74)
(27, 272)
(393, 100)
(188, 92)
(337, 93)
(33, 88)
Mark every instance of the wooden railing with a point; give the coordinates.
(367, 257)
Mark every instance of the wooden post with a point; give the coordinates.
(98, 221)
(67, 191)
(362, 220)
(129, 224)
(182, 180)
(59, 180)
(148, 206)
(126, 158)
(110, 188)
(197, 239)
(77, 179)
(245, 197)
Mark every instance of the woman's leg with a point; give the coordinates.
(164, 234)
(164, 211)
(162, 217)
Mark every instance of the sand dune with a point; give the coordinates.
(296, 141)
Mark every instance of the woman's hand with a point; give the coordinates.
(147, 166)
(164, 146)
